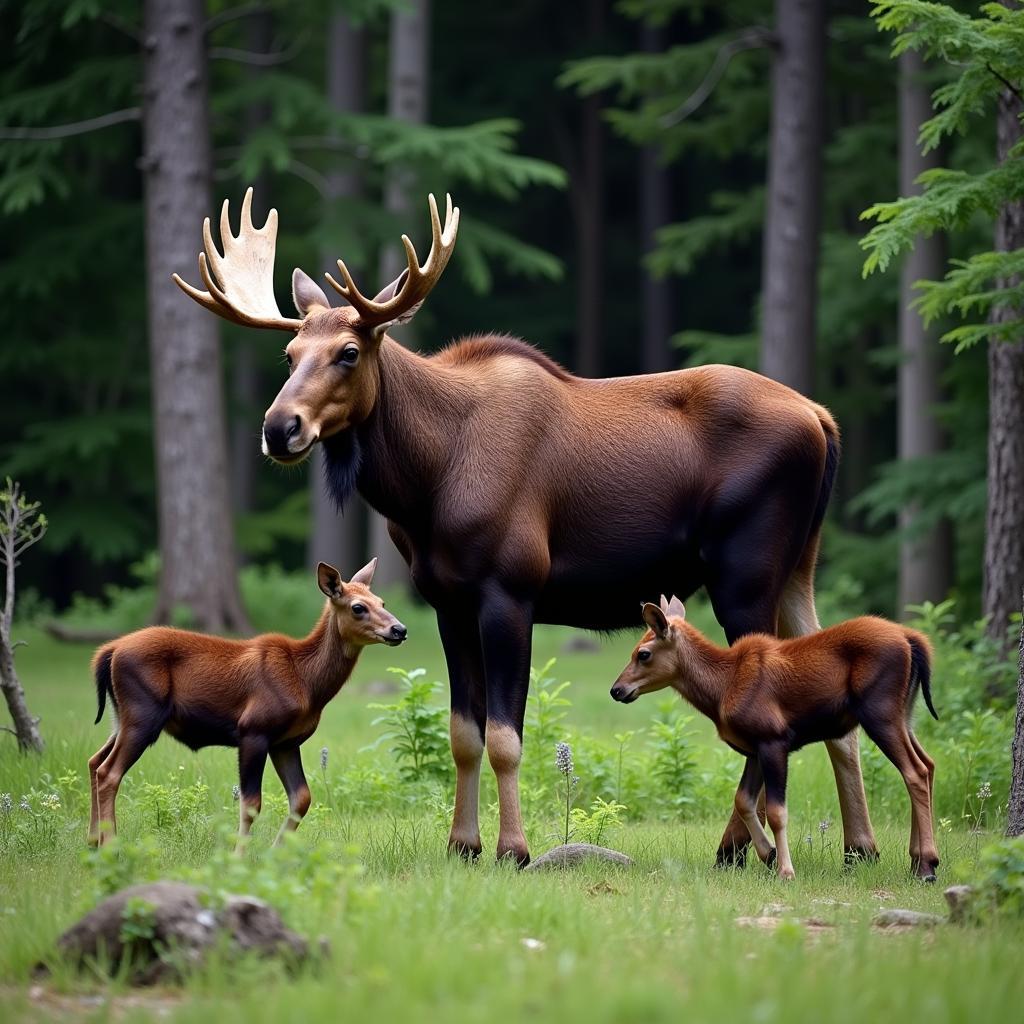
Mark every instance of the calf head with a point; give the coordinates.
(359, 614)
(654, 664)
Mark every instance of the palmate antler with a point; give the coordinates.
(401, 298)
(241, 281)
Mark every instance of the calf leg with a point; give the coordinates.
(460, 636)
(894, 739)
(748, 806)
(132, 739)
(287, 763)
(505, 628)
(798, 617)
(94, 811)
(774, 760)
(252, 759)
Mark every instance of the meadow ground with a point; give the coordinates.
(416, 936)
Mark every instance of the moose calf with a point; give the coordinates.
(768, 697)
(263, 696)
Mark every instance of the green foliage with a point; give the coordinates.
(673, 766)
(999, 889)
(595, 825)
(416, 729)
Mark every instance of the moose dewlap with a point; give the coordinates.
(769, 697)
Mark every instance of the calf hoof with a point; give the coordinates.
(925, 869)
(467, 849)
(860, 854)
(731, 856)
(770, 859)
(515, 852)
(786, 874)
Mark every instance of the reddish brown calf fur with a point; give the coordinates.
(768, 697)
(263, 696)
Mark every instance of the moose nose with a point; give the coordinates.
(618, 692)
(399, 632)
(278, 431)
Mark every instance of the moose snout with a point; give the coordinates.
(395, 635)
(624, 694)
(618, 692)
(283, 435)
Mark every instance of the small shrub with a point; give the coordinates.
(1000, 885)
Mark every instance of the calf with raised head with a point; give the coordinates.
(263, 696)
(769, 697)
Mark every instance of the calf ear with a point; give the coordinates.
(655, 618)
(329, 580)
(306, 293)
(365, 575)
(674, 609)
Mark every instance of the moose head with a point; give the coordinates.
(333, 377)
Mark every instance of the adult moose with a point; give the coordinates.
(518, 493)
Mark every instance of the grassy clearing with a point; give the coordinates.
(417, 937)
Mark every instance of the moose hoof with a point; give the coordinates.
(517, 853)
(465, 849)
(731, 856)
(770, 860)
(858, 854)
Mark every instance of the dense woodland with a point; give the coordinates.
(645, 185)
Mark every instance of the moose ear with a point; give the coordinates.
(306, 293)
(329, 580)
(655, 618)
(388, 293)
(674, 608)
(365, 575)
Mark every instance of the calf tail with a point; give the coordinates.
(104, 684)
(921, 667)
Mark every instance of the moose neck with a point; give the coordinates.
(325, 661)
(703, 673)
(406, 440)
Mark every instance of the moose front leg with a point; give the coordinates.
(460, 637)
(252, 759)
(506, 625)
(287, 763)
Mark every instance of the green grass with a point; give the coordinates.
(418, 937)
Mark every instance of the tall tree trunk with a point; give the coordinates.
(1015, 810)
(655, 213)
(198, 570)
(588, 186)
(408, 91)
(335, 538)
(246, 407)
(1004, 537)
(789, 284)
(925, 560)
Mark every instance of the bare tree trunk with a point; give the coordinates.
(26, 726)
(246, 408)
(655, 213)
(789, 285)
(198, 565)
(1015, 809)
(925, 560)
(335, 538)
(408, 91)
(1004, 537)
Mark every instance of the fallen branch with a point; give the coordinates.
(76, 635)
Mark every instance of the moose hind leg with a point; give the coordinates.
(287, 763)
(749, 807)
(94, 811)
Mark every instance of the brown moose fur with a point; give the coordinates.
(518, 493)
(768, 697)
(263, 695)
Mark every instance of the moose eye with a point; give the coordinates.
(643, 654)
(348, 356)
(358, 610)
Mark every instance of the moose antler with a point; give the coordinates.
(241, 281)
(413, 285)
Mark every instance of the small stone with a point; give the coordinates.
(897, 918)
(775, 910)
(959, 899)
(572, 854)
(882, 894)
(533, 944)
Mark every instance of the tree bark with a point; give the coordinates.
(1015, 809)
(789, 285)
(588, 187)
(198, 571)
(1004, 537)
(926, 559)
(408, 92)
(655, 213)
(334, 538)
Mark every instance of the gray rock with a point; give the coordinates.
(572, 854)
(896, 918)
(174, 930)
(960, 899)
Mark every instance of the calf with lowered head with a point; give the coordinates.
(768, 697)
(263, 696)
